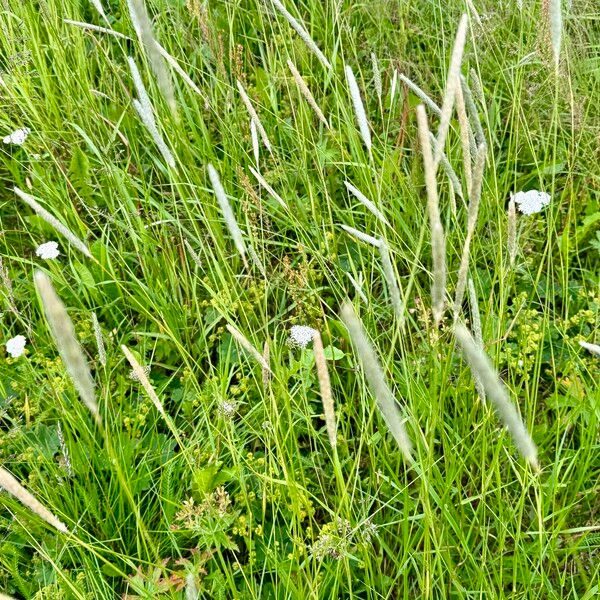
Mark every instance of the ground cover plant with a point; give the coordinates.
(299, 300)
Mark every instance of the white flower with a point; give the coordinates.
(49, 250)
(301, 335)
(17, 137)
(16, 346)
(532, 201)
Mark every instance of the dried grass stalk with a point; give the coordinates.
(422, 95)
(512, 232)
(477, 331)
(325, 387)
(392, 282)
(363, 237)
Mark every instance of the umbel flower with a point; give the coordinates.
(531, 202)
(301, 335)
(17, 137)
(16, 346)
(48, 251)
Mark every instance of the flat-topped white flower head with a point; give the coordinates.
(301, 335)
(16, 346)
(531, 202)
(17, 137)
(48, 251)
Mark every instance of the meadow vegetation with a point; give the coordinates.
(258, 253)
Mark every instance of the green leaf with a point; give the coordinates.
(333, 353)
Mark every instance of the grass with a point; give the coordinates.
(235, 491)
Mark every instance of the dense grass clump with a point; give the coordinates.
(299, 300)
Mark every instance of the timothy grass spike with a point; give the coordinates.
(227, 211)
(438, 243)
(69, 348)
(452, 81)
(359, 109)
(377, 382)
(497, 393)
(53, 222)
(304, 35)
(99, 340)
(246, 345)
(366, 202)
(254, 115)
(14, 488)
(363, 237)
(305, 91)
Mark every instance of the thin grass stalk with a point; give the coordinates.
(227, 211)
(423, 96)
(99, 340)
(477, 332)
(263, 183)
(254, 115)
(179, 70)
(358, 288)
(53, 222)
(325, 387)
(363, 237)
(65, 338)
(143, 28)
(472, 108)
(266, 370)
(14, 488)
(248, 347)
(452, 82)
(145, 111)
(497, 393)
(359, 109)
(438, 243)
(366, 202)
(392, 282)
(512, 232)
(304, 35)
(97, 28)
(377, 381)
(376, 76)
(305, 91)
(475, 197)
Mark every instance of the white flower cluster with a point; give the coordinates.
(301, 335)
(531, 202)
(48, 251)
(16, 346)
(17, 137)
